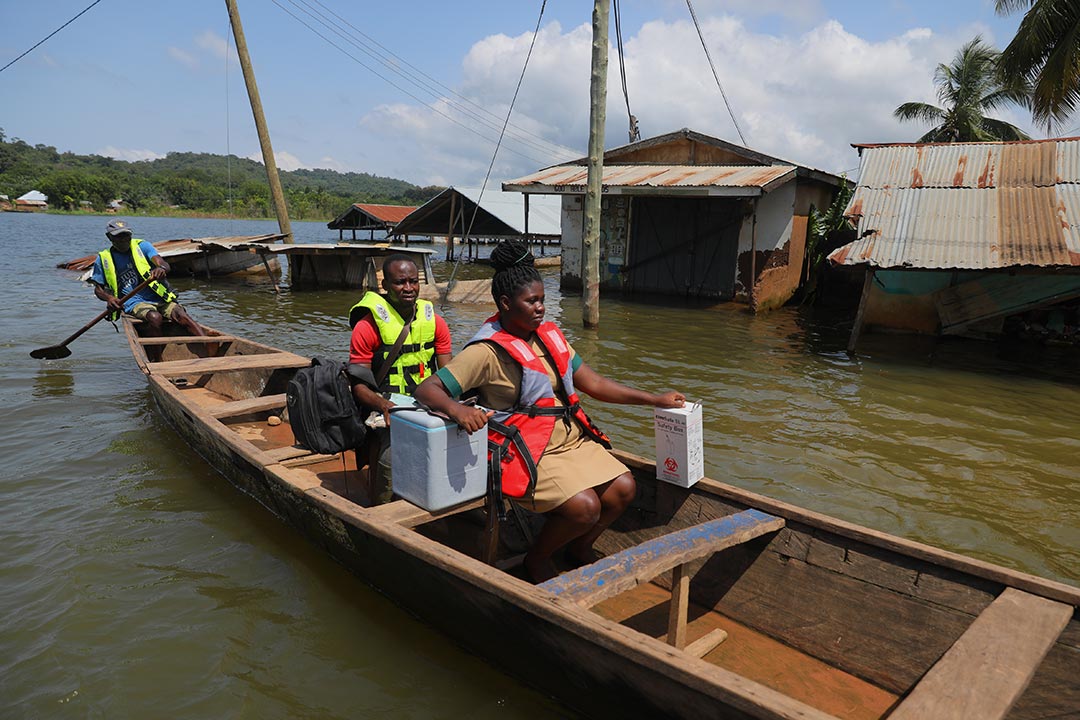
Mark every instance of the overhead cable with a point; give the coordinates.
(49, 36)
(396, 62)
(495, 154)
(431, 107)
(717, 77)
(484, 118)
(635, 131)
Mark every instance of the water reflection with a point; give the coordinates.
(53, 380)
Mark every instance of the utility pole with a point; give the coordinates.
(597, 113)
(276, 194)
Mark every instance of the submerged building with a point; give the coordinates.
(690, 215)
(964, 238)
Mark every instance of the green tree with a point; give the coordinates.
(969, 87)
(1046, 54)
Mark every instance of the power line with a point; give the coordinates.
(422, 84)
(495, 154)
(434, 109)
(49, 36)
(635, 132)
(401, 61)
(717, 77)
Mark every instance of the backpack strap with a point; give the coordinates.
(392, 356)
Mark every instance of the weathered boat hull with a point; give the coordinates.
(865, 619)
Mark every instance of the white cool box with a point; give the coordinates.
(435, 463)
(680, 456)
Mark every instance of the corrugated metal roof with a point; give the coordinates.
(966, 206)
(573, 177)
(386, 213)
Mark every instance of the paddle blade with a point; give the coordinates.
(54, 352)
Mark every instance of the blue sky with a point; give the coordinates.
(135, 79)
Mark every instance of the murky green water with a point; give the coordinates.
(135, 582)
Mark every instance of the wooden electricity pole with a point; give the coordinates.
(597, 115)
(276, 194)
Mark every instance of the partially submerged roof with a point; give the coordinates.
(706, 180)
(966, 206)
(366, 216)
(499, 214)
(683, 162)
(33, 196)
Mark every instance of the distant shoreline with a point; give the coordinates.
(197, 214)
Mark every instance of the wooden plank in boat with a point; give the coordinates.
(197, 366)
(287, 453)
(185, 339)
(984, 673)
(404, 513)
(236, 408)
(623, 570)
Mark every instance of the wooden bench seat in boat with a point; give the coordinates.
(185, 339)
(987, 669)
(228, 363)
(614, 574)
(236, 408)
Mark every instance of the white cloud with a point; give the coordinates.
(802, 97)
(212, 42)
(183, 57)
(129, 154)
(285, 161)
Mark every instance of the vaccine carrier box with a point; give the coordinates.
(680, 455)
(435, 463)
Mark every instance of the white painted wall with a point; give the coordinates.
(573, 219)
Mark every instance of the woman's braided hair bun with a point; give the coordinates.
(513, 263)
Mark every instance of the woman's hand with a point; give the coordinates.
(670, 399)
(469, 417)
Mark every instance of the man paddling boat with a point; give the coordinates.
(120, 268)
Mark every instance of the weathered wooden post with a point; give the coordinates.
(597, 112)
(276, 194)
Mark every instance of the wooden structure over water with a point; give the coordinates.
(370, 217)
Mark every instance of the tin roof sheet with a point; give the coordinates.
(731, 176)
(386, 213)
(966, 206)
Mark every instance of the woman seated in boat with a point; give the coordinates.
(551, 458)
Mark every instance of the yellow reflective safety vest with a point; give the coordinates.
(142, 266)
(417, 358)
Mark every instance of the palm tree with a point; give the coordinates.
(968, 87)
(1046, 54)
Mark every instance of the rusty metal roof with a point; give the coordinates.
(387, 213)
(966, 206)
(712, 179)
(364, 216)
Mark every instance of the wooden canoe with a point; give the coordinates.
(710, 602)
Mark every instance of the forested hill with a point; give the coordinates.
(198, 182)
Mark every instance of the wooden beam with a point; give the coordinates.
(311, 459)
(856, 328)
(706, 643)
(404, 513)
(287, 453)
(680, 600)
(197, 366)
(236, 408)
(617, 573)
(986, 671)
(185, 339)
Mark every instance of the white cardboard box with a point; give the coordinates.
(435, 463)
(680, 452)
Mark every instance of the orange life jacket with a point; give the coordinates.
(518, 437)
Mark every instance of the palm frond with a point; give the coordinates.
(1008, 7)
(1000, 130)
(919, 112)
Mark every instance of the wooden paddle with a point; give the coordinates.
(55, 352)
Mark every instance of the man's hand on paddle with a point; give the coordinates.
(158, 273)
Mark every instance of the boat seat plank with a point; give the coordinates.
(616, 573)
(196, 366)
(287, 453)
(185, 339)
(311, 459)
(404, 513)
(235, 408)
(984, 673)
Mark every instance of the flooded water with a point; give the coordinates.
(136, 582)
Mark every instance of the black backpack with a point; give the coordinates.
(322, 412)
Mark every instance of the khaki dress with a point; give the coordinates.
(572, 461)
